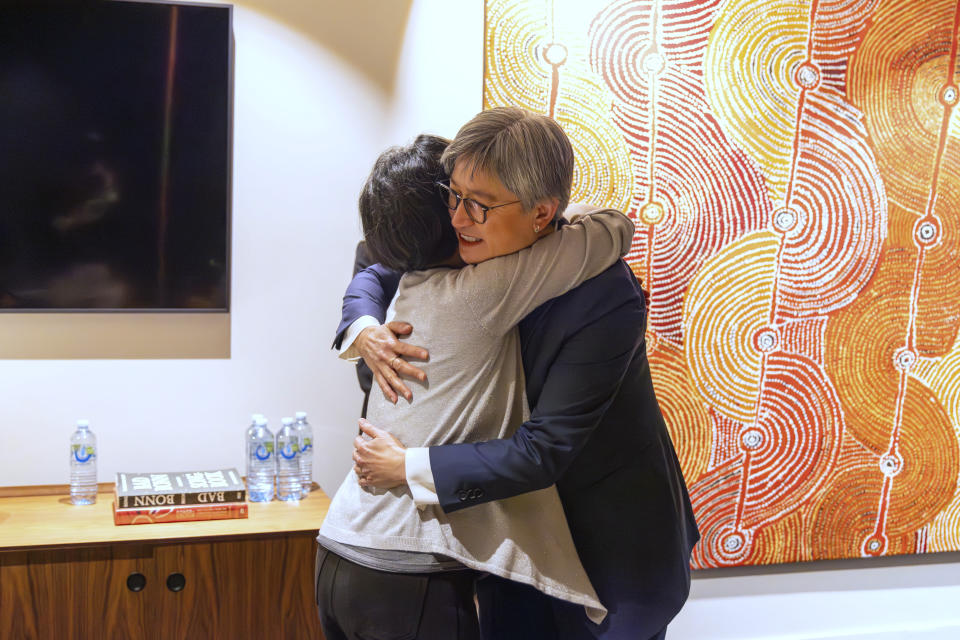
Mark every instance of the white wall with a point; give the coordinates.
(908, 597)
(322, 86)
(320, 89)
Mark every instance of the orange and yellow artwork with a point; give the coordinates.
(793, 168)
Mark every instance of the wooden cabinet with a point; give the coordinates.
(72, 593)
(64, 573)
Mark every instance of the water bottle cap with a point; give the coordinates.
(286, 421)
(301, 415)
(254, 416)
(260, 421)
(83, 424)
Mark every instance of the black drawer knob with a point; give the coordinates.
(176, 582)
(136, 582)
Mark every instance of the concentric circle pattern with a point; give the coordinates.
(839, 197)
(839, 25)
(604, 173)
(894, 78)
(844, 517)
(793, 169)
(726, 305)
(943, 378)
(754, 51)
(685, 413)
(800, 411)
(692, 169)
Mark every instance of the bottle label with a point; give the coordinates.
(307, 445)
(289, 451)
(82, 453)
(264, 451)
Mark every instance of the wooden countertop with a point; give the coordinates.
(50, 521)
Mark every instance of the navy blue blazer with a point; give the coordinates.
(596, 431)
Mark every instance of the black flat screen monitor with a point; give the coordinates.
(114, 156)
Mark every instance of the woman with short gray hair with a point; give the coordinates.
(529, 153)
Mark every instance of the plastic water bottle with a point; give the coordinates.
(288, 463)
(83, 465)
(305, 431)
(260, 461)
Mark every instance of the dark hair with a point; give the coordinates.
(405, 223)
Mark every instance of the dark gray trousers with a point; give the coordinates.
(357, 603)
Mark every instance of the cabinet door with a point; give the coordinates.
(254, 588)
(73, 593)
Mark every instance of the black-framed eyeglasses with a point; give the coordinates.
(475, 211)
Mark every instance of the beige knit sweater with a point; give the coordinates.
(475, 391)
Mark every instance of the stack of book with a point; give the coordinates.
(148, 498)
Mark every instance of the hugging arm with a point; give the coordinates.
(362, 332)
(361, 261)
(580, 383)
(509, 288)
(369, 294)
(579, 387)
(502, 291)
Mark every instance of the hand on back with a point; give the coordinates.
(385, 355)
(379, 459)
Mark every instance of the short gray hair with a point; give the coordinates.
(529, 153)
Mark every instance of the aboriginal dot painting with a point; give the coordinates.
(794, 171)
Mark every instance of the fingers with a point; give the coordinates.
(361, 478)
(384, 354)
(376, 345)
(380, 343)
(397, 385)
(398, 367)
(370, 429)
(358, 462)
(404, 368)
(367, 427)
(411, 351)
(385, 387)
(399, 328)
(357, 458)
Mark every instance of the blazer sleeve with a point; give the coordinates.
(579, 387)
(368, 294)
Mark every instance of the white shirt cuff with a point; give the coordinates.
(347, 349)
(420, 477)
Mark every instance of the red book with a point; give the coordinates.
(185, 513)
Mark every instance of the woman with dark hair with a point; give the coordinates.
(388, 568)
(405, 226)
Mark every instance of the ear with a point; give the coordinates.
(544, 212)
